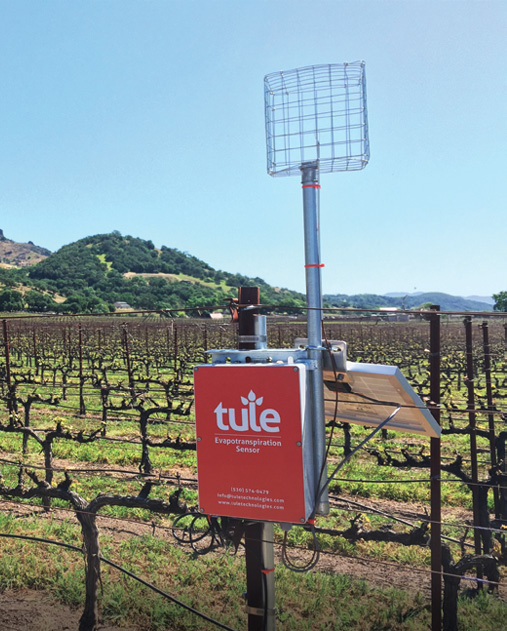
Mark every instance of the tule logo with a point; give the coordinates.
(268, 420)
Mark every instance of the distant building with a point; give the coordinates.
(121, 306)
(391, 315)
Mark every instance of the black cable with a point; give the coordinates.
(301, 569)
(191, 535)
(125, 571)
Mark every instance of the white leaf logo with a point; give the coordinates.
(244, 401)
(259, 400)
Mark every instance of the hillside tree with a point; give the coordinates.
(500, 301)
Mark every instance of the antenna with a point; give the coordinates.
(316, 122)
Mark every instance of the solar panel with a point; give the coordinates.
(366, 394)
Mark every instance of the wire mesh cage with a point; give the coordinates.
(317, 114)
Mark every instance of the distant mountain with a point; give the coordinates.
(401, 294)
(447, 302)
(410, 301)
(487, 299)
(20, 254)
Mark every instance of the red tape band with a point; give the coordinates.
(268, 571)
(316, 265)
(311, 186)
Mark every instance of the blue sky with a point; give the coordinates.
(147, 117)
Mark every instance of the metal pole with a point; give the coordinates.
(435, 485)
(311, 187)
(259, 548)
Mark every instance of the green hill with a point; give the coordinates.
(95, 272)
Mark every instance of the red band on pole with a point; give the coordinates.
(268, 571)
(316, 265)
(311, 186)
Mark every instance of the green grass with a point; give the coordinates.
(213, 584)
(102, 259)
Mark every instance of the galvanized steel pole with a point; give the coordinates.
(313, 265)
(435, 472)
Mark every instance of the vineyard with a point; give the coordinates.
(97, 463)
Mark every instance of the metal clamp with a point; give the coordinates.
(257, 611)
(253, 338)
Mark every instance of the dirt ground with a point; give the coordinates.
(28, 610)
